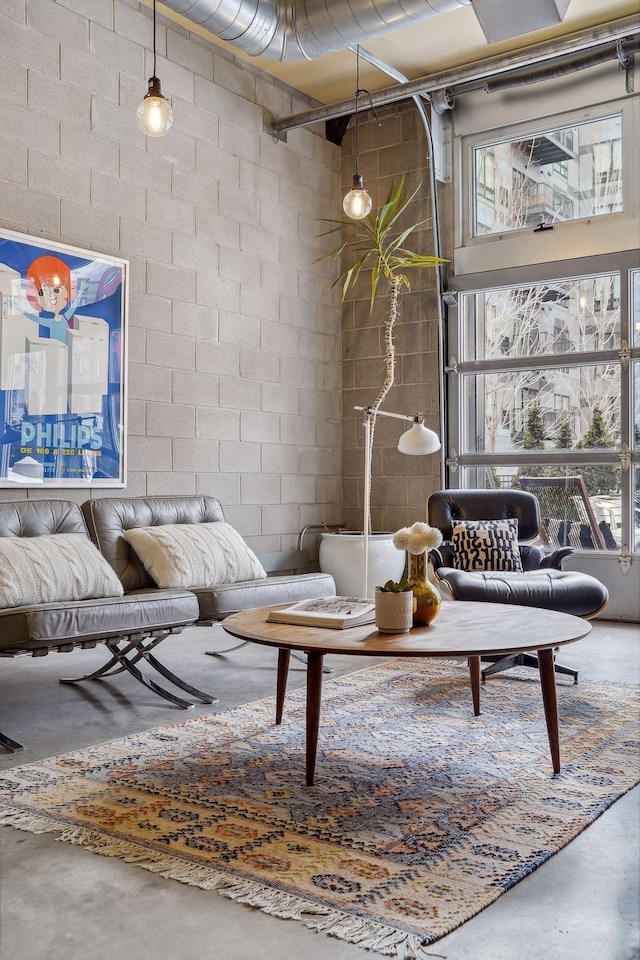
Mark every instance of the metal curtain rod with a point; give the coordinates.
(480, 70)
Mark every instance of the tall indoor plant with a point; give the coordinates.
(379, 247)
(377, 244)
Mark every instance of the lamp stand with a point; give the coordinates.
(417, 441)
(367, 499)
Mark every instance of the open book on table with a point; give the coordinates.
(336, 612)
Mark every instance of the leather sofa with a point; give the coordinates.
(131, 626)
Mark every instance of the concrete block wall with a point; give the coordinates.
(400, 484)
(234, 370)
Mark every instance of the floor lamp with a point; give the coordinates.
(417, 441)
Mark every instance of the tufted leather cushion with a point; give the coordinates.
(564, 590)
(38, 628)
(446, 506)
(107, 519)
(34, 518)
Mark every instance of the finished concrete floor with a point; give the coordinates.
(60, 902)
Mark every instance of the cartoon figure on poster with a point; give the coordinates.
(61, 319)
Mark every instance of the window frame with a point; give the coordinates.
(458, 461)
(605, 233)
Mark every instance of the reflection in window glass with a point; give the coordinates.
(560, 316)
(580, 505)
(563, 174)
(635, 393)
(635, 308)
(636, 510)
(553, 409)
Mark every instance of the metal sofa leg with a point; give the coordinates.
(126, 658)
(10, 744)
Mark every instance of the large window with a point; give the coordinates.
(568, 173)
(543, 334)
(540, 392)
(544, 370)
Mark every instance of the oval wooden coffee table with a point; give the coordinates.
(462, 629)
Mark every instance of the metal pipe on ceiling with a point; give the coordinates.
(575, 43)
(620, 50)
(283, 30)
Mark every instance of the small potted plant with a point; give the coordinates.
(394, 607)
(417, 540)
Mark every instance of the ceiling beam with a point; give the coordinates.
(481, 69)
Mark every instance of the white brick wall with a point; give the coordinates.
(233, 338)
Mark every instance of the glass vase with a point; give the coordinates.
(426, 597)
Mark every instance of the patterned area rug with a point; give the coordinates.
(421, 815)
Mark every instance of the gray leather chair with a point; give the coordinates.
(130, 626)
(542, 583)
(107, 520)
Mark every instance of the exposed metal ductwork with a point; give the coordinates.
(305, 29)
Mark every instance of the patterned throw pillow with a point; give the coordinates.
(486, 545)
(53, 568)
(194, 554)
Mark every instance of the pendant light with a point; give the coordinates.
(357, 203)
(154, 114)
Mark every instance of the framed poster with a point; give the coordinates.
(62, 365)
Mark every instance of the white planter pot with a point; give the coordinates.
(342, 555)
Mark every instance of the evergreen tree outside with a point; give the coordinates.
(534, 431)
(564, 437)
(533, 439)
(599, 479)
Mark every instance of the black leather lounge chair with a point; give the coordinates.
(542, 582)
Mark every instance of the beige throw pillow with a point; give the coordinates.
(194, 554)
(55, 568)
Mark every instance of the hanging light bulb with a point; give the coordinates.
(154, 114)
(357, 203)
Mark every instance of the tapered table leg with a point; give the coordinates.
(474, 673)
(314, 699)
(550, 701)
(283, 672)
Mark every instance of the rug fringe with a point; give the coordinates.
(367, 934)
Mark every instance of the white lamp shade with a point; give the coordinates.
(418, 441)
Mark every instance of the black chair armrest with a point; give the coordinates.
(532, 556)
(555, 558)
(436, 558)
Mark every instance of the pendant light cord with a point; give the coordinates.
(154, 37)
(359, 91)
